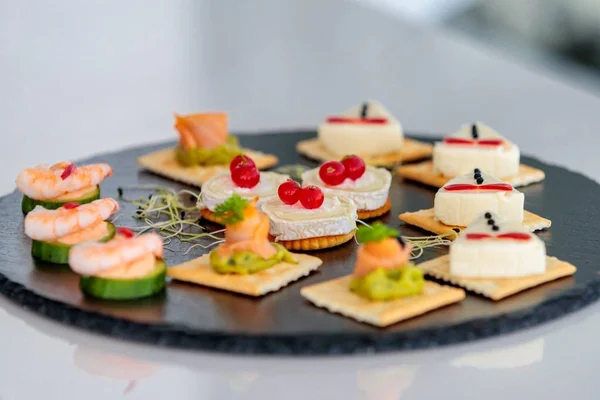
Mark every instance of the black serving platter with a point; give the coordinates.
(189, 316)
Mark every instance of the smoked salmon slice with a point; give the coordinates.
(206, 130)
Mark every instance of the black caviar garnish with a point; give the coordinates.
(495, 228)
(488, 215)
(364, 109)
(479, 180)
(477, 171)
(474, 132)
(491, 222)
(138, 211)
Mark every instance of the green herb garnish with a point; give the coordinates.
(375, 233)
(231, 211)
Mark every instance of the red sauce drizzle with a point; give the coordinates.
(473, 142)
(125, 232)
(478, 236)
(490, 186)
(349, 120)
(509, 235)
(70, 205)
(68, 171)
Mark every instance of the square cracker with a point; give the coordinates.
(199, 271)
(163, 163)
(423, 173)
(497, 288)
(412, 150)
(336, 297)
(425, 219)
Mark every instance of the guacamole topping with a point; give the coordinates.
(389, 284)
(245, 262)
(220, 155)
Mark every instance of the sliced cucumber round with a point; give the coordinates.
(126, 289)
(29, 204)
(58, 253)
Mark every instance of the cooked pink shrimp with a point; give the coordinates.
(93, 258)
(42, 224)
(44, 182)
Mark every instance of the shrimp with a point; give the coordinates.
(47, 225)
(45, 183)
(251, 234)
(206, 130)
(92, 258)
(388, 254)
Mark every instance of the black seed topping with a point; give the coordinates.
(495, 228)
(491, 222)
(456, 230)
(120, 191)
(488, 215)
(477, 176)
(401, 241)
(364, 109)
(479, 180)
(474, 132)
(477, 171)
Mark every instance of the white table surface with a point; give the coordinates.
(78, 78)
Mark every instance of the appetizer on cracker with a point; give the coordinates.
(459, 201)
(367, 187)
(385, 286)
(243, 179)
(303, 218)
(54, 232)
(247, 262)
(497, 258)
(368, 130)
(52, 186)
(205, 148)
(473, 146)
(124, 268)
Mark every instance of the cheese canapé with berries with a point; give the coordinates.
(243, 179)
(491, 247)
(367, 129)
(367, 187)
(476, 146)
(460, 200)
(305, 212)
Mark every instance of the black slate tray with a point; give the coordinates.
(189, 316)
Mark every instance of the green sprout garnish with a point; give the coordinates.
(375, 233)
(231, 211)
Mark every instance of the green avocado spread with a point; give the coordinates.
(388, 284)
(220, 155)
(245, 262)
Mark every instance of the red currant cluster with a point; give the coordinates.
(244, 172)
(334, 173)
(310, 197)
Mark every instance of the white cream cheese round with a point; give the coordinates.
(493, 257)
(455, 159)
(369, 192)
(336, 216)
(460, 207)
(364, 139)
(220, 187)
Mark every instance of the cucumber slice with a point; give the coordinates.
(29, 204)
(58, 253)
(125, 289)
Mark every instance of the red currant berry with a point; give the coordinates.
(240, 160)
(332, 173)
(289, 191)
(311, 197)
(355, 167)
(245, 176)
